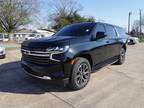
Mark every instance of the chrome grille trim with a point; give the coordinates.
(43, 77)
(35, 53)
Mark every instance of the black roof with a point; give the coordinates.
(97, 23)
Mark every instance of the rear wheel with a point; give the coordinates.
(121, 59)
(80, 74)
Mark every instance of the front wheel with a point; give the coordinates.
(80, 74)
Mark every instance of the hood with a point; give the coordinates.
(49, 41)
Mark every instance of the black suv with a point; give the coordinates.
(74, 52)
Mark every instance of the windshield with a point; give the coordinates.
(82, 29)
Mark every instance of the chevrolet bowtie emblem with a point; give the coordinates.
(26, 52)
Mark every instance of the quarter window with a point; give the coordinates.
(110, 31)
(120, 31)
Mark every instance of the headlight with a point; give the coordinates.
(58, 49)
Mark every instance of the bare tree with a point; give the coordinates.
(65, 12)
(16, 13)
(58, 7)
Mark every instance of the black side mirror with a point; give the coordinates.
(100, 35)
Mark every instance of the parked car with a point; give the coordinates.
(37, 36)
(4, 37)
(2, 51)
(133, 40)
(32, 36)
(74, 52)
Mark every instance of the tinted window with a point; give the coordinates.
(99, 28)
(76, 30)
(120, 31)
(110, 31)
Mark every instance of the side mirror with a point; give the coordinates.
(100, 35)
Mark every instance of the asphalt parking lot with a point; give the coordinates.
(115, 86)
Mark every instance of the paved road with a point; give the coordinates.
(112, 87)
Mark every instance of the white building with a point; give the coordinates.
(24, 34)
(45, 33)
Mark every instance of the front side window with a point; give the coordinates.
(110, 31)
(82, 29)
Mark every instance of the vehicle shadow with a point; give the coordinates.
(14, 80)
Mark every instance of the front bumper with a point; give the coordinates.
(55, 72)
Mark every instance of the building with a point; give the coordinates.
(25, 34)
(45, 33)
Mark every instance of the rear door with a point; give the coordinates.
(121, 37)
(100, 48)
(112, 41)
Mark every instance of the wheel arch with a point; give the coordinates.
(86, 56)
(124, 46)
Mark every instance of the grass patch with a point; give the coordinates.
(12, 48)
(141, 40)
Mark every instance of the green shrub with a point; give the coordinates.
(142, 39)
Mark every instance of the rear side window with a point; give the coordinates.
(110, 31)
(120, 31)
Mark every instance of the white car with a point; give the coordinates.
(2, 51)
(132, 40)
(33, 36)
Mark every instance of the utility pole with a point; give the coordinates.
(140, 24)
(129, 20)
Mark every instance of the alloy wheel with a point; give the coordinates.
(82, 75)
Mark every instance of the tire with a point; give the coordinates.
(131, 42)
(80, 74)
(121, 58)
(2, 56)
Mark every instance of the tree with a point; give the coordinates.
(135, 29)
(16, 13)
(65, 12)
(63, 20)
(135, 32)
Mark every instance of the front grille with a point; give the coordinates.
(35, 55)
(36, 59)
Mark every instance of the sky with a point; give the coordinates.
(111, 11)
